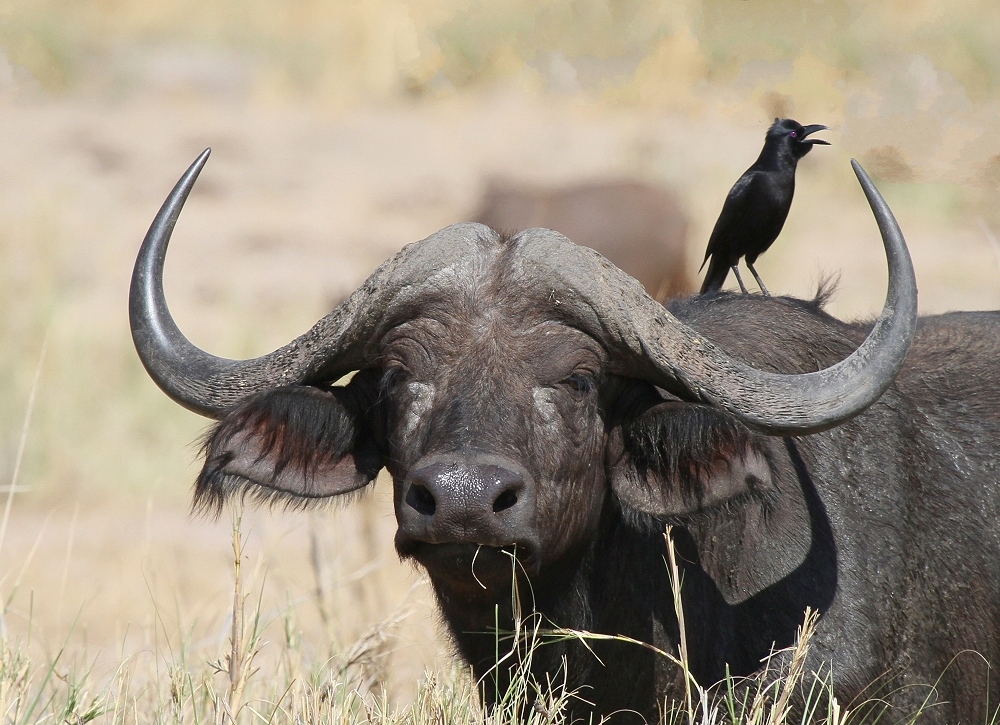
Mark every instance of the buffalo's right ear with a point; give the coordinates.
(679, 459)
(295, 443)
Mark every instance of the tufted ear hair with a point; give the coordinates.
(678, 459)
(294, 443)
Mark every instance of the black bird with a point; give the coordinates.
(758, 204)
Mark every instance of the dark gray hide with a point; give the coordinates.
(642, 229)
(516, 389)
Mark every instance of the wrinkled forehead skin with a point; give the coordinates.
(563, 281)
(478, 353)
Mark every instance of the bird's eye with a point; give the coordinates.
(793, 134)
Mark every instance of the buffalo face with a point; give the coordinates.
(492, 420)
(495, 443)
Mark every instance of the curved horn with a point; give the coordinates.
(657, 346)
(336, 345)
(653, 343)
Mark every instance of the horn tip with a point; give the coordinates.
(199, 162)
(866, 183)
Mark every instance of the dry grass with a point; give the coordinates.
(192, 659)
(254, 680)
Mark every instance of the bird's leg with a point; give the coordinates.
(739, 279)
(759, 282)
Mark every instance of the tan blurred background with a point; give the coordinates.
(344, 130)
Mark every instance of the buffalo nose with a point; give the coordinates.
(457, 501)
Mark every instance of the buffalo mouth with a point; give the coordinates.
(472, 567)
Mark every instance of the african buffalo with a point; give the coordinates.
(531, 401)
(642, 229)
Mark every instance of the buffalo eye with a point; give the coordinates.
(393, 378)
(579, 383)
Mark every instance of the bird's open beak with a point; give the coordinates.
(807, 130)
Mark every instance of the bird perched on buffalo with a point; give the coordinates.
(758, 204)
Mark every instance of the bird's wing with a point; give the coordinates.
(747, 207)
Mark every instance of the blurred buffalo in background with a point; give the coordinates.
(641, 228)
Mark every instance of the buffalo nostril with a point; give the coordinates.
(505, 501)
(419, 498)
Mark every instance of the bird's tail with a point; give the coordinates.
(715, 277)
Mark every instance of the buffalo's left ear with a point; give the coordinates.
(295, 443)
(678, 459)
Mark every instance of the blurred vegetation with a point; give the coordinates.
(92, 416)
(353, 49)
(918, 80)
